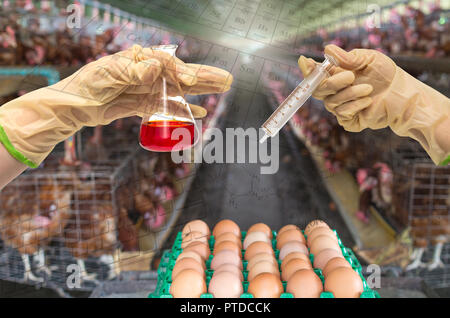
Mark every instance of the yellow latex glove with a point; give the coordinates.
(368, 90)
(116, 86)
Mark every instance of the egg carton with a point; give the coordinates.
(169, 258)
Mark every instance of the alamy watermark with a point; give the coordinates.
(73, 20)
(74, 278)
(237, 145)
(374, 278)
(373, 21)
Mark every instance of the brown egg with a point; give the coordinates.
(225, 226)
(200, 248)
(289, 235)
(226, 257)
(225, 285)
(187, 263)
(304, 284)
(256, 248)
(294, 255)
(321, 259)
(261, 257)
(313, 224)
(228, 237)
(323, 242)
(255, 237)
(334, 263)
(196, 226)
(193, 237)
(227, 245)
(292, 246)
(288, 227)
(262, 267)
(193, 255)
(188, 284)
(320, 231)
(344, 282)
(293, 266)
(266, 285)
(260, 227)
(230, 268)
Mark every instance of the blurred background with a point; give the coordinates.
(325, 172)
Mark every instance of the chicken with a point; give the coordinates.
(9, 46)
(144, 205)
(383, 193)
(36, 54)
(148, 192)
(94, 149)
(147, 168)
(127, 232)
(102, 43)
(147, 204)
(438, 243)
(65, 48)
(118, 124)
(429, 217)
(164, 188)
(92, 232)
(28, 224)
(434, 229)
(70, 157)
(92, 190)
(367, 182)
(83, 52)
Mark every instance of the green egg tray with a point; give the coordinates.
(169, 258)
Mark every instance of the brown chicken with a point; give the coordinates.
(29, 226)
(64, 51)
(92, 232)
(127, 232)
(70, 156)
(94, 149)
(429, 215)
(434, 230)
(145, 205)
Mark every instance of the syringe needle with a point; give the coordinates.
(263, 138)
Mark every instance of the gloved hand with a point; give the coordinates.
(368, 90)
(116, 86)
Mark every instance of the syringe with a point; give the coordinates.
(296, 99)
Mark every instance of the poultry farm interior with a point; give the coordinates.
(87, 210)
(99, 196)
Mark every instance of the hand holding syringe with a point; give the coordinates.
(296, 99)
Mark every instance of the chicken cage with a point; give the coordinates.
(60, 225)
(422, 203)
(74, 226)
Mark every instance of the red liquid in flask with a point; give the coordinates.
(157, 135)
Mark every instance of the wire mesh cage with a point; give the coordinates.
(422, 202)
(56, 216)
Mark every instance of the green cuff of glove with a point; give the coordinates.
(445, 162)
(13, 151)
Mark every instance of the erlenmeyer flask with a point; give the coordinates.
(171, 126)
